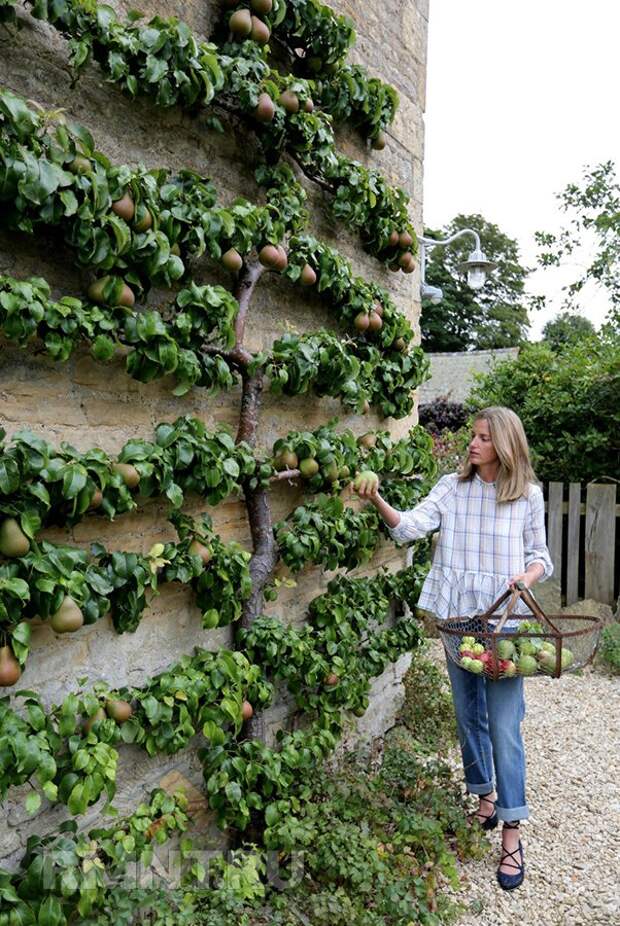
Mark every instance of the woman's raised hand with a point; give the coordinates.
(366, 484)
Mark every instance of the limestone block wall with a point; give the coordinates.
(88, 404)
(452, 372)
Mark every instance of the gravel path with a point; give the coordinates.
(572, 838)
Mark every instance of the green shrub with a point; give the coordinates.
(609, 648)
(568, 402)
(427, 710)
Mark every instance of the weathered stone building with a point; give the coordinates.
(88, 404)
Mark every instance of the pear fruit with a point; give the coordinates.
(374, 322)
(262, 7)
(331, 679)
(379, 142)
(309, 106)
(330, 472)
(308, 276)
(118, 710)
(241, 23)
(124, 207)
(362, 321)
(80, 165)
(97, 499)
(400, 344)
(405, 259)
(308, 467)
(290, 101)
(68, 617)
(128, 473)
(196, 548)
(127, 297)
(13, 541)
(260, 31)
(246, 710)
(366, 475)
(265, 110)
(269, 256)
(405, 240)
(287, 459)
(282, 262)
(394, 239)
(143, 218)
(368, 440)
(97, 717)
(9, 667)
(232, 260)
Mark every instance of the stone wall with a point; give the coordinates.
(89, 405)
(452, 372)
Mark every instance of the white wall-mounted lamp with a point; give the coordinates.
(476, 266)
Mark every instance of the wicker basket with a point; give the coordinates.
(540, 646)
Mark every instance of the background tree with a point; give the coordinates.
(568, 403)
(566, 327)
(497, 315)
(593, 210)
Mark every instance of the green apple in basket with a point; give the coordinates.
(527, 647)
(476, 667)
(506, 649)
(478, 648)
(527, 665)
(567, 658)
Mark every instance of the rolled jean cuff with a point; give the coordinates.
(512, 813)
(480, 789)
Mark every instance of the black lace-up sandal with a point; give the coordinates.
(509, 882)
(490, 820)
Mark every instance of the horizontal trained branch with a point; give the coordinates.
(70, 749)
(168, 63)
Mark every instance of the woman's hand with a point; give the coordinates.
(522, 577)
(366, 485)
(531, 575)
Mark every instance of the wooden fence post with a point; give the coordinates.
(554, 542)
(572, 542)
(600, 542)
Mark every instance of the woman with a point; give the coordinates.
(492, 535)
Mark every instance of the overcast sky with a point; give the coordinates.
(520, 97)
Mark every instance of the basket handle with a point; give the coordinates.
(502, 598)
(535, 608)
(516, 592)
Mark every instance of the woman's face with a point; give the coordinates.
(481, 449)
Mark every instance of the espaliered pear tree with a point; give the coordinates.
(129, 229)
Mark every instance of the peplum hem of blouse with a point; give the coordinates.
(457, 593)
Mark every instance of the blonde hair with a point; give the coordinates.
(515, 471)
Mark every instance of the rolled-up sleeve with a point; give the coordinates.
(534, 538)
(425, 517)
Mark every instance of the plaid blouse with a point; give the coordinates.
(481, 544)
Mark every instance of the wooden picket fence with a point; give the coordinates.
(583, 539)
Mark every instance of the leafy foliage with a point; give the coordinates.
(67, 874)
(496, 316)
(609, 651)
(165, 62)
(441, 415)
(566, 327)
(568, 402)
(594, 209)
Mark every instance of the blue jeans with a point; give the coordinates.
(488, 719)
